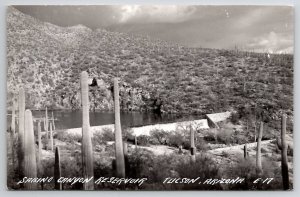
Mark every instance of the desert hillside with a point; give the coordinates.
(155, 75)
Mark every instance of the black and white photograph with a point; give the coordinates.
(149, 97)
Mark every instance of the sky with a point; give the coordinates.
(253, 28)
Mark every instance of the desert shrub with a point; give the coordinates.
(247, 169)
(107, 135)
(110, 150)
(47, 171)
(70, 167)
(97, 138)
(269, 133)
(128, 133)
(225, 154)
(101, 170)
(163, 166)
(210, 135)
(238, 138)
(224, 135)
(175, 139)
(264, 150)
(201, 144)
(179, 138)
(143, 140)
(67, 137)
(159, 136)
(204, 167)
(234, 118)
(138, 163)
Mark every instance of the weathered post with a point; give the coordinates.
(255, 130)
(193, 148)
(258, 150)
(245, 151)
(180, 150)
(30, 169)
(87, 149)
(21, 132)
(135, 141)
(120, 160)
(57, 169)
(284, 159)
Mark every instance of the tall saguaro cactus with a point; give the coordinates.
(120, 160)
(258, 149)
(51, 137)
(13, 118)
(57, 169)
(193, 148)
(53, 122)
(46, 120)
(284, 160)
(46, 123)
(87, 149)
(21, 132)
(125, 149)
(30, 169)
(13, 132)
(39, 155)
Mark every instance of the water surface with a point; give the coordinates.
(73, 119)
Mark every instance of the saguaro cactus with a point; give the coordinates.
(284, 160)
(87, 150)
(46, 120)
(39, 155)
(125, 149)
(13, 132)
(21, 132)
(51, 136)
(57, 169)
(193, 148)
(120, 160)
(53, 122)
(258, 150)
(13, 118)
(30, 169)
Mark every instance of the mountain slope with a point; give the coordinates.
(155, 75)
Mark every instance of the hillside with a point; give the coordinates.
(154, 75)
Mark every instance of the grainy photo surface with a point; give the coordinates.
(133, 97)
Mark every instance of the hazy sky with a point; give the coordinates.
(258, 28)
